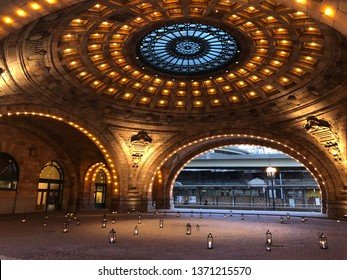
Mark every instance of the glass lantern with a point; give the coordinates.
(113, 220)
(136, 230)
(323, 241)
(112, 236)
(197, 227)
(188, 229)
(281, 220)
(103, 222)
(78, 222)
(209, 241)
(268, 237)
(178, 214)
(161, 223)
(66, 227)
(242, 216)
(288, 216)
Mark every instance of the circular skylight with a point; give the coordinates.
(188, 49)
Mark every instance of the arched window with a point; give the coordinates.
(9, 172)
(49, 194)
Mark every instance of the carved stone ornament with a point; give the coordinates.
(139, 145)
(322, 131)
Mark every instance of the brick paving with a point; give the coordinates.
(233, 238)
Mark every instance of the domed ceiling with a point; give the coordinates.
(184, 57)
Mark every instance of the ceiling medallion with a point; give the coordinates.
(188, 49)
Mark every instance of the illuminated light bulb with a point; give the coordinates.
(35, 6)
(8, 20)
(328, 12)
(21, 13)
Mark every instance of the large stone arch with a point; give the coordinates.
(320, 164)
(69, 140)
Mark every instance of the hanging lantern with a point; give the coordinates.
(323, 241)
(188, 229)
(103, 222)
(268, 237)
(66, 227)
(288, 216)
(197, 227)
(161, 223)
(281, 220)
(78, 221)
(209, 241)
(136, 230)
(242, 216)
(112, 236)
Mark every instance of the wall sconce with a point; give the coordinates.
(103, 222)
(112, 236)
(188, 229)
(197, 227)
(66, 227)
(268, 237)
(209, 241)
(161, 223)
(323, 241)
(136, 230)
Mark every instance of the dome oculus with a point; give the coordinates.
(188, 49)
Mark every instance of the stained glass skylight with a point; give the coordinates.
(188, 49)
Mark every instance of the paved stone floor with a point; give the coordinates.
(234, 238)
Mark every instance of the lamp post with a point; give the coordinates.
(271, 173)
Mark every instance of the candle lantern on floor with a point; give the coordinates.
(191, 213)
(103, 222)
(136, 230)
(113, 220)
(231, 213)
(268, 247)
(200, 215)
(303, 219)
(281, 220)
(112, 236)
(242, 216)
(78, 222)
(268, 237)
(288, 216)
(178, 214)
(24, 219)
(66, 227)
(197, 227)
(188, 229)
(323, 241)
(161, 223)
(210, 241)
(139, 220)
